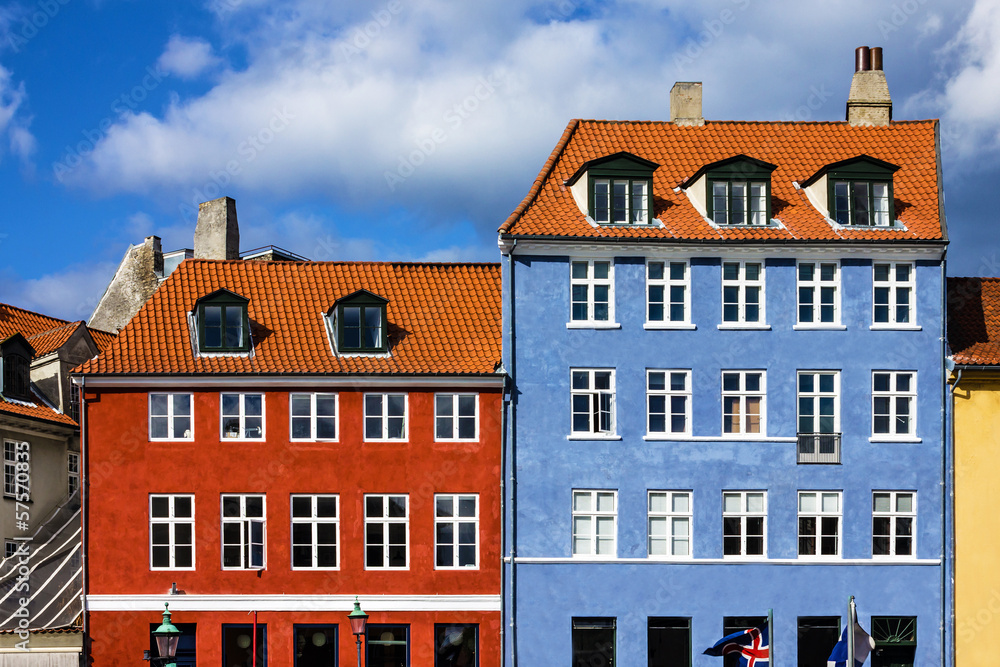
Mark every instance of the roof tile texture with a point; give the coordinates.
(442, 318)
(799, 150)
(974, 321)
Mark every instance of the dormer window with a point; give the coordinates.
(738, 191)
(359, 323)
(223, 325)
(858, 191)
(16, 354)
(619, 189)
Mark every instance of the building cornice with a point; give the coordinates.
(491, 381)
(328, 603)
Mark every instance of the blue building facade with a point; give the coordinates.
(726, 393)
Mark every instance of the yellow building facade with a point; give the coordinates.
(974, 346)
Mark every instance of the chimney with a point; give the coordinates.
(685, 103)
(217, 234)
(868, 102)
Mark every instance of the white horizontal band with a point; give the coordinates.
(727, 561)
(344, 603)
(346, 381)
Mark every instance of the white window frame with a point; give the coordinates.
(742, 285)
(172, 521)
(668, 394)
(72, 472)
(743, 394)
(594, 519)
(242, 416)
(667, 283)
(894, 396)
(171, 417)
(455, 417)
(590, 282)
(313, 521)
(815, 396)
(455, 521)
(814, 287)
(16, 454)
(313, 416)
(246, 524)
(819, 513)
(595, 409)
(894, 515)
(383, 416)
(635, 215)
(743, 514)
(386, 521)
(893, 285)
(675, 525)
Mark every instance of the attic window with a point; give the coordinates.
(15, 359)
(359, 323)
(739, 191)
(859, 191)
(223, 325)
(619, 189)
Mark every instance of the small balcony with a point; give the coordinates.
(818, 448)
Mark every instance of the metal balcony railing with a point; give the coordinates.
(818, 448)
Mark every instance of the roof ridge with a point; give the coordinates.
(343, 262)
(754, 122)
(48, 332)
(32, 312)
(543, 175)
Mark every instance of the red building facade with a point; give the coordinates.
(269, 440)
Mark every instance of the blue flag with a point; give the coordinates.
(863, 645)
(751, 645)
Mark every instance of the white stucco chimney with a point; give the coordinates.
(217, 234)
(685, 103)
(869, 102)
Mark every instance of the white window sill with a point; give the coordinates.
(819, 327)
(884, 438)
(456, 441)
(745, 559)
(748, 326)
(191, 439)
(592, 436)
(667, 436)
(225, 439)
(596, 557)
(895, 559)
(593, 325)
(896, 327)
(668, 325)
(386, 440)
(820, 559)
(461, 568)
(306, 441)
(716, 438)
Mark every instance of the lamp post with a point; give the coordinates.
(359, 620)
(166, 636)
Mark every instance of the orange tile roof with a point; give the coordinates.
(46, 334)
(442, 318)
(34, 410)
(799, 149)
(51, 340)
(974, 321)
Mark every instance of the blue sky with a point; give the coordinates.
(409, 129)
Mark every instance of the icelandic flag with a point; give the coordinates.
(863, 644)
(751, 645)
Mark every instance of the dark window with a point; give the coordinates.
(669, 642)
(16, 377)
(360, 322)
(238, 645)
(895, 641)
(223, 324)
(593, 642)
(737, 191)
(859, 191)
(816, 638)
(186, 652)
(315, 645)
(387, 645)
(456, 645)
(619, 189)
(731, 624)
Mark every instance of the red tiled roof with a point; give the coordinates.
(799, 149)
(51, 340)
(34, 410)
(46, 334)
(442, 318)
(974, 321)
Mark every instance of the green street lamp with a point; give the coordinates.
(166, 636)
(359, 620)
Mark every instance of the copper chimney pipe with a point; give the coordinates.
(876, 54)
(862, 59)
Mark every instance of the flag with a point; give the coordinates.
(751, 645)
(863, 644)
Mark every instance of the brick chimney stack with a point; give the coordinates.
(685, 103)
(869, 102)
(217, 234)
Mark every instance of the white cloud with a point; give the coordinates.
(69, 294)
(13, 121)
(187, 57)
